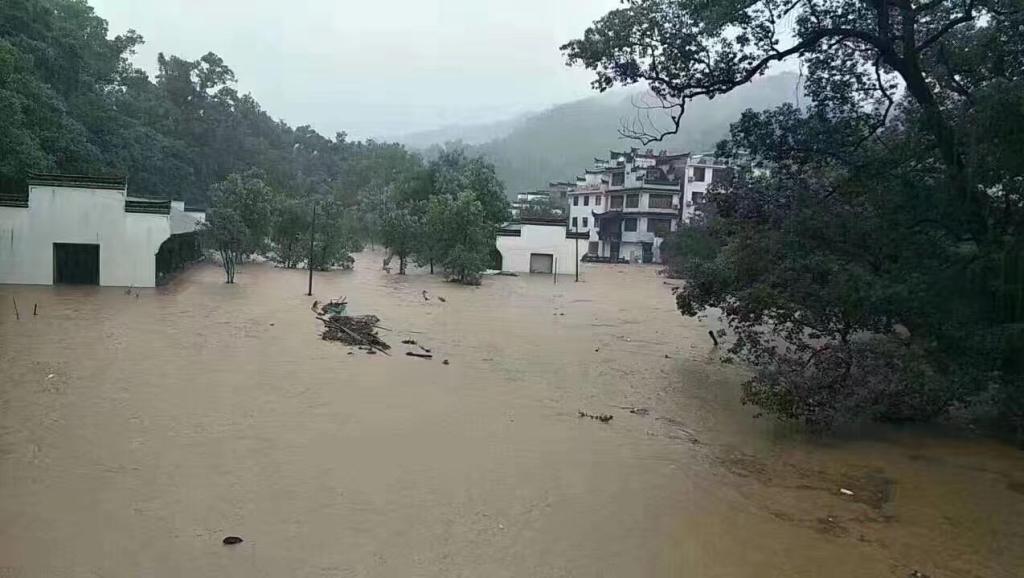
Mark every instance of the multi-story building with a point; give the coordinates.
(629, 202)
(524, 200)
(701, 171)
(554, 201)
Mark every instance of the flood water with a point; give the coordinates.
(137, 431)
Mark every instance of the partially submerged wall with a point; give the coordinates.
(542, 239)
(128, 241)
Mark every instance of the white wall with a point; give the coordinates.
(579, 211)
(128, 241)
(551, 240)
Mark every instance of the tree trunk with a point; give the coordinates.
(431, 266)
(401, 265)
(908, 65)
(228, 259)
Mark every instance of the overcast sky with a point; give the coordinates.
(375, 67)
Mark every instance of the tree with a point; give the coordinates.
(453, 173)
(856, 51)
(335, 236)
(401, 230)
(225, 231)
(73, 102)
(290, 233)
(463, 237)
(541, 208)
(248, 198)
(877, 270)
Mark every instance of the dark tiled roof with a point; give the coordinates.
(147, 206)
(79, 181)
(14, 200)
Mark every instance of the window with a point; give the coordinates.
(576, 200)
(698, 174)
(697, 197)
(592, 248)
(632, 201)
(659, 226)
(597, 200)
(616, 202)
(618, 179)
(659, 201)
(586, 200)
(629, 225)
(584, 222)
(574, 222)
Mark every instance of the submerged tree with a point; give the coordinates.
(463, 236)
(401, 231)
(239, 221)
(289, 235)
(335, 237)
(877, 269)
(227, 234)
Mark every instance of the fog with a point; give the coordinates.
(375, 69)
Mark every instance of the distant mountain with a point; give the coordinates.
(558, 143)
(471, 134)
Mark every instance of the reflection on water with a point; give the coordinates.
(137, 431)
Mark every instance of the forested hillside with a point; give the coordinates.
(73, 102)
(558, 143)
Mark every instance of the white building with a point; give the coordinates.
(77, 229)
(524, 200)
(554, 198)
(628, 203)
(540, 246)
(701, 171)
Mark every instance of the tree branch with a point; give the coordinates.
(964, 18)
(685, 93)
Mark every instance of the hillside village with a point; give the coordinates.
(622, 208)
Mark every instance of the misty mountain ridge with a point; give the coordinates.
(556, 144)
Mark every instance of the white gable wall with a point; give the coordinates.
(128, 241)
(544, 239)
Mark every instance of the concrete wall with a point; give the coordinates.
(551, 240)
(595, 200)
(128, 241)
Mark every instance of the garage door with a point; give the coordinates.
(541, 262)
(75, 263)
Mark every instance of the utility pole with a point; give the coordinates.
(577, 231)
(309, 264)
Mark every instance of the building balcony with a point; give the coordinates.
(660, 210)
(637, 210)
(637, 237)
(667, 186)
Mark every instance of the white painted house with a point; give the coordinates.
(77, 229)
(628, 203)
(540, 246)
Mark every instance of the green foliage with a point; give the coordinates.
(225, 231)
(445, 214)
(289, 236)
(401, 230)
(542, 208)
(463, 238)
(72, 102)
(877, 270)
(336, 236)
(247, 197)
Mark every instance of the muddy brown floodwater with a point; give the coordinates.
(138, 431)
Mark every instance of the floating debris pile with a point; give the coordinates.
(359, 330)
